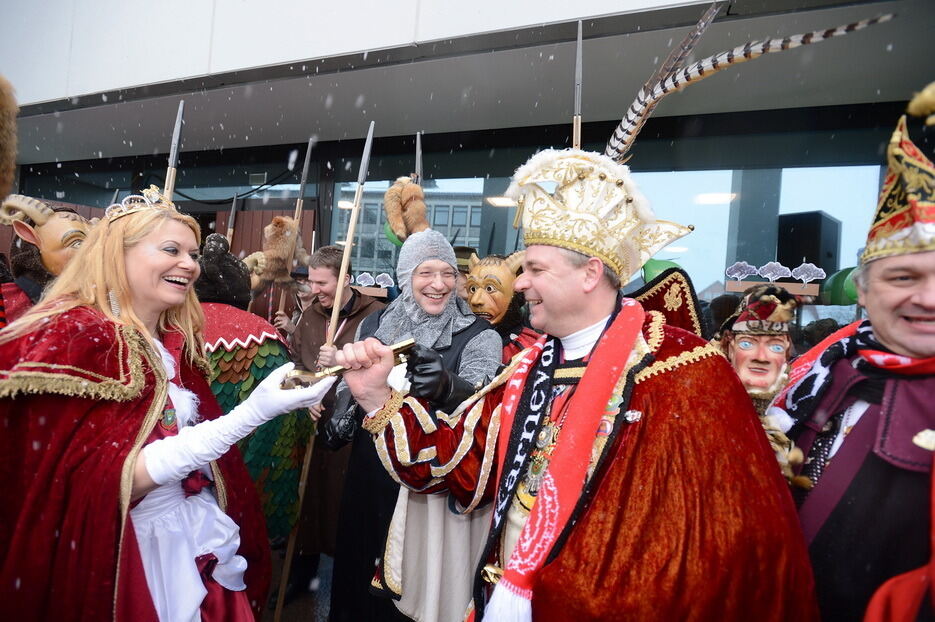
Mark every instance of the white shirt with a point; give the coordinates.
(172, 530)
(578, 345)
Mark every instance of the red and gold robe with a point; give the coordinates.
(16, 302)
(684, 516)
(79, 397)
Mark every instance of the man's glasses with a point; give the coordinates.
(447, 276)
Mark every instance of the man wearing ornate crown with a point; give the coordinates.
(629, 475)
(857, 403)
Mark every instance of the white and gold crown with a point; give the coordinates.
(150, 198)
(596, 209)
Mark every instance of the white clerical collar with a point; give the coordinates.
(578, 345)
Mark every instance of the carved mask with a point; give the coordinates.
(490, 285)
(58, 239)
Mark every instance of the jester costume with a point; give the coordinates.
(855, 407)
(79, 397)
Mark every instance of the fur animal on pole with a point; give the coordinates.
(404, 204)
(8, 111)
(281, 251)
(680, 77)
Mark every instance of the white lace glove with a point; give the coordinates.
(174, 457)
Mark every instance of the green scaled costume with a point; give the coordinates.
(243, 349)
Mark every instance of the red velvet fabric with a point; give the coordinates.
(61, 458)
(523, 340)
(15, 301)
(221, 604)
(690, 518)
(672, 294)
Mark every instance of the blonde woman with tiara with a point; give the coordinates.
(123, 496)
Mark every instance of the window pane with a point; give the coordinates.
(846, 193)
(700, 198)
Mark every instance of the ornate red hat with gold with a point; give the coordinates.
(765, 310)
(905, 219)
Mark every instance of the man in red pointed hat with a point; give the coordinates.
(856, 402)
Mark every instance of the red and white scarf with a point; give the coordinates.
(810, 374)
(566, 474)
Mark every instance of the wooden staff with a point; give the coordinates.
(169, 188)
(307, 460)
(231, 219)
(576, 119)
(349, 241)
(418, 173)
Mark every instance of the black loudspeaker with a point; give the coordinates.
(814, 236)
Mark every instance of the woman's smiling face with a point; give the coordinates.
(162, 268)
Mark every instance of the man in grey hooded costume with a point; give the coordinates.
(429, 311)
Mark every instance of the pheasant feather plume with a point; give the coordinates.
(674, 77)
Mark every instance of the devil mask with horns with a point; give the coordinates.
(490, 289)
(48, 236)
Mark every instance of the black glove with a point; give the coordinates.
(430, 380)
(344, 422)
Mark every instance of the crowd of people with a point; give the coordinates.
(551, 449)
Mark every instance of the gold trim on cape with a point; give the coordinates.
(689, 356)
(153, 414)
(60, 379)
(676, 278)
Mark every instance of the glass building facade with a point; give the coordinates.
(735, 177)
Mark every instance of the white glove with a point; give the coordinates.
(174, 457)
